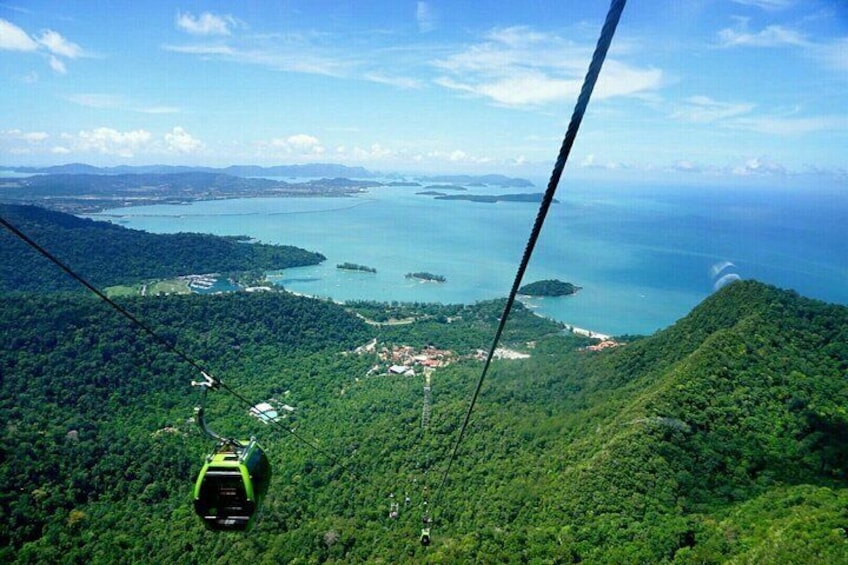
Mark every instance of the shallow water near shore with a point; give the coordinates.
(644, 256)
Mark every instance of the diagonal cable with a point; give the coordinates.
(215, 383)
(607, 33)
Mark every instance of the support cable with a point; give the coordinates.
(209, 381)
(607, 33)
(100, 294)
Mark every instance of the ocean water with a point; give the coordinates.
(644, 256)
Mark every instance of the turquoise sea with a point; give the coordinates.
(645, 256)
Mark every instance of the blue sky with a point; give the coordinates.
(744, 91)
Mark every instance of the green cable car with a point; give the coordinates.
(231, 486)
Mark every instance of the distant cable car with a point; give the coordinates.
(231, 486)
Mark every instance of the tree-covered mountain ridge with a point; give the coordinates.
(720, 439)
(735, 416)
(108, 254)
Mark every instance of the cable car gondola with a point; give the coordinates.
(231, 486)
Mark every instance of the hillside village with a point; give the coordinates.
(408, 361)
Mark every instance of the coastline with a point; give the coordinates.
(591, 334)
(587, 333)
(655, 286)
(576, 330)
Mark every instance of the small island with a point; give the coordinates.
(454, 187)
(429, 277)
(493, 198)
(549, 287)
(355, 267)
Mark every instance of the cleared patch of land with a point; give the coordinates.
(168, 286)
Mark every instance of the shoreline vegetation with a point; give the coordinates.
(194, 251)
(111, 255)
(426, 277)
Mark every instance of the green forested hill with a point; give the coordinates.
(720, 439)
(106, 254)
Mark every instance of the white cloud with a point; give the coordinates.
(618, 79)
(202, 50)
(158, 110)
(108, 141)
(523, 87)
(458, 155)
(770, 36)
(767, 4)
(180, 141)
(518, 36)
(298, 144)
(58, 45)
(591, 162)
(376, 151)
(96, 100)
(57, 65)
(205, 24)
(740, 116)
(19, 135)
(517, 46)
(13, 38)
(518, 66)
(381, 155)
(425, 16)
(831, 54)
(103, 141)
(292, 55)
(304, 142)
(704, 109)
(316, 53)
(36, 136)
(114, 101)
(686, 166)
(759, 166)
(399, 82)
(781, 125)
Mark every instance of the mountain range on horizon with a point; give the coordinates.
(308, 170)
(316, 170)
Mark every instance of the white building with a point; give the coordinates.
(265, 412)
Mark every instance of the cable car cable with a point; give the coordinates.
(604, 41)
(209, 380)
(601, 49)
(120, 309)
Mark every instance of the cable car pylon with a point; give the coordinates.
(425, 409)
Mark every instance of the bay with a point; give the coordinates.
(643, 255)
